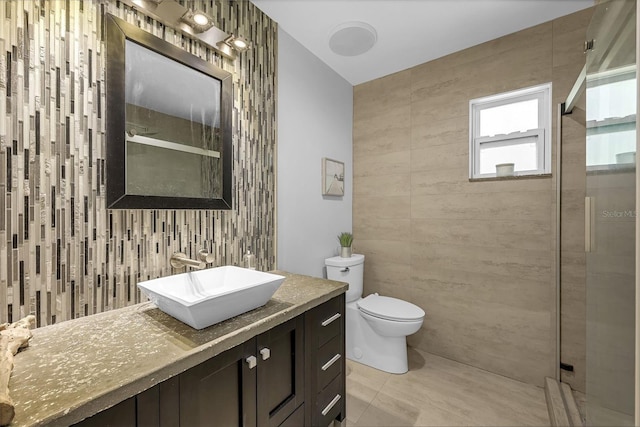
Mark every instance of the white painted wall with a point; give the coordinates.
(315, 118)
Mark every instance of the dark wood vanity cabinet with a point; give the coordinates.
(324, 346)
(280, 371)
(258, 383)
(290, 376)
(121, 415)
(222, 389)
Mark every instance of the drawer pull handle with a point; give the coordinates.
(266, 353)
(331, 404)
(333, 360)
(251, 361)
(331, 319)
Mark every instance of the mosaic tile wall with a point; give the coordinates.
(63, 254)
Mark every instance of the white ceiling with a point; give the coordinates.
(410, 32)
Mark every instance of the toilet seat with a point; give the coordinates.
(389, 308)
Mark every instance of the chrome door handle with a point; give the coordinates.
(331, 404)
(251, 361)
(589, 206)
(266, 353)
(331, 361)
(331, 319)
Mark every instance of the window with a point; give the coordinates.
(611, 118)
(512, 127)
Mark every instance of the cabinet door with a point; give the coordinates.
(121, 415)
(155, 407)
(159, 405)
(280, 372)
(220, 391)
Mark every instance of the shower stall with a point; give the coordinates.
(609, 85)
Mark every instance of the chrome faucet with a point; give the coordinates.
(180, 260)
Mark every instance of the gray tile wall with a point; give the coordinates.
(63, 254)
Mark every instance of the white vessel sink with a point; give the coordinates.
(205, 297)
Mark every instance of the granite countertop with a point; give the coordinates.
(77, 368)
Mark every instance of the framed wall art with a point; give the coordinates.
(332, 177)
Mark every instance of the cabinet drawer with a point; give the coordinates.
(329, 403)
(329, 362)
(329, 318)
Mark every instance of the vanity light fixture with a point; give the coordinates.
(198, 20)
(236, 43)
(194, 23)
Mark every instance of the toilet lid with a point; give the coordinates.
(390, 308)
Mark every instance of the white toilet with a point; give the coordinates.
(377, 326)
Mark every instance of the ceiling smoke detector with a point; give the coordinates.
(352, 38)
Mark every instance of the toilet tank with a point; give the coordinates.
(350, 270)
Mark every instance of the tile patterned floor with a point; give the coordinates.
(440, 392)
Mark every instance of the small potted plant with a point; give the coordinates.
(345, 239)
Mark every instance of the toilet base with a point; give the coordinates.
(365, 346)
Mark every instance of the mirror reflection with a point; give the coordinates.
(168, 125)
(172, 126)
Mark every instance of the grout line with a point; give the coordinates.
(377, 391)
(363, 412)
(369, 405)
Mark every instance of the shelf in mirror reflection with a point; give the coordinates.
(145, 140)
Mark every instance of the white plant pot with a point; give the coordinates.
(626, 158)
(504, 169)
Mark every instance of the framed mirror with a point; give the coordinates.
(168, 125)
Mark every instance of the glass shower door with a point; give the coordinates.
(610, 214)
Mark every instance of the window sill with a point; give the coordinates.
(511, 178)
(611, 169)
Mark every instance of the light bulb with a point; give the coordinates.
(200, 18)
(240, 44)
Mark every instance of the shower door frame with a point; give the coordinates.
(637, 343)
